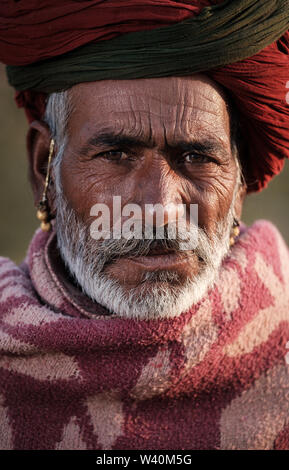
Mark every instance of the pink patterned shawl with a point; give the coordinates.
(216, 377)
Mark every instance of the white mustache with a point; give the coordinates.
(163, 293)
(105, 252)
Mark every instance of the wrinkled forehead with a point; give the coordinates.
(176, 104)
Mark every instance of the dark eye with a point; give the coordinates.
(112, 155)
(196, 158)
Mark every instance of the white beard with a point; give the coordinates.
(161, 294)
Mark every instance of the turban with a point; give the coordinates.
(241, 44)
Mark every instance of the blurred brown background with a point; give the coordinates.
(18, 220)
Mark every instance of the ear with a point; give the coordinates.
(241, 194)
(38, 142)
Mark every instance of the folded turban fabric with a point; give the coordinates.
(241, 44)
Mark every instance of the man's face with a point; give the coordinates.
(150, 141)
(163, 141)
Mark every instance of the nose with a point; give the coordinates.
(163, 214)
(159, 194)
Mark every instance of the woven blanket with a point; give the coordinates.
(72, 376)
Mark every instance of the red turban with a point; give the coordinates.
(35, 30)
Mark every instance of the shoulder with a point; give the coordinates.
(263, 234)
(6, 265)
(13, 279)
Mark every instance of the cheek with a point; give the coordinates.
(87, 183)
(82, 187)
(213, 193)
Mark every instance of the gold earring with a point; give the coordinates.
(235, 232)
(43, 210)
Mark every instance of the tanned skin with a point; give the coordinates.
(164, 140)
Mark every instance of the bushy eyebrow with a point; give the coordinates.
(203, 145)
(111, 139)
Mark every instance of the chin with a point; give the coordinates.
(161, 295)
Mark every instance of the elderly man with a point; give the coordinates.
(112, 339)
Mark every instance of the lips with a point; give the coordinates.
(160, 252)
(160, 260)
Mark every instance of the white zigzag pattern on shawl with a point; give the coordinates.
(107, 417)
(201, 332)
(71, 437)
(13, 275)
(239, 255)
(154, 378)
(15, 290)
(6, 440)
(50, 367)
(14, 284)
(5, 264)
(199, 335)
(230, 291)
(29, 314)
(253, 420)
(284, 259)
(9, 344)
(267, 319)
